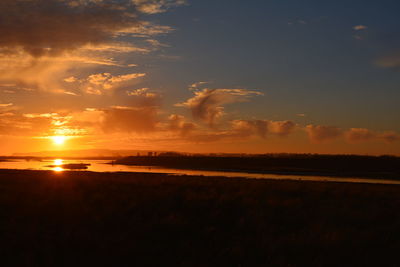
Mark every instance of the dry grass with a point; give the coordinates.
(127, 219)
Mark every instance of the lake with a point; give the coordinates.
(57, 165)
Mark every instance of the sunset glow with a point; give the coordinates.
(58, 162)
(199, 133)
(199, 76)
(59, 140)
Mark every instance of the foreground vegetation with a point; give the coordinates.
(130, 219)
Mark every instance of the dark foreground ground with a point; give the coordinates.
(100, 219)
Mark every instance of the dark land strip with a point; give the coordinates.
(137, 219)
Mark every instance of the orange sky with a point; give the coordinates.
(89, 75)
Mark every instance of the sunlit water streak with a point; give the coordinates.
(56, 165)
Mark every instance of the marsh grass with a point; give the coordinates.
(133, 219)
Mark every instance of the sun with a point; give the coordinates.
(58, 162)
(59, 140)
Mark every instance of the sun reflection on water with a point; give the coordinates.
(58, 169)
(58, 165)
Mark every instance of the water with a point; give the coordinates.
(57, 165)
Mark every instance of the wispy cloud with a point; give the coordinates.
(391, 60)
(6, 105)
(360, 27)
(100, 83)
(156, 6)
(44, 40)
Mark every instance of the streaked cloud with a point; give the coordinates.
(6, 105)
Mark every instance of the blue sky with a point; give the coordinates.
(303, 54)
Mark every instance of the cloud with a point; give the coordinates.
(207, 104)
(261, 128)
(391, 60)
(51, 27)
(116, 119)
(142, 92)
(282, 128)
(71, 79)
(130, 119)
(360, 27)
(100, 83)
(355, 135)
(45, 74)
(177, 123)
(42, 41)
(195, 86)
(246, 128)
(18, 125)
(6, 105)
(156, 6)
(389, 136)
(319, 133)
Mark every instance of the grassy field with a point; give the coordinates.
(128, 219)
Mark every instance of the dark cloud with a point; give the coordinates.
(49, 27)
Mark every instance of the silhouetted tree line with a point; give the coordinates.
(312, 164)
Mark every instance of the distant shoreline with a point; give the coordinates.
(315, 165)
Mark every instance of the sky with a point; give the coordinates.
(200, 76)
